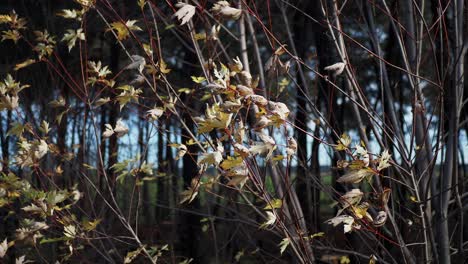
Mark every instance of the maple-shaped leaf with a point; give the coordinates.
(155, 113)
(211, 158)
(346, 220)
(214, 119)
(284, 244)
(128, 94)
(185, 12)
(384, 160)
(163, 67)
(343, 142)
(71, 14)
(196, 79)
(72, 36)
(13, 35)
(123, 29)
(271, 219)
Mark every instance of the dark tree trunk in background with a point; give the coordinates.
(113, 146)
(304, 181)
(189, 230)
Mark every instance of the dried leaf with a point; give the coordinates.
(347, 220)
(355, 176)
(120, 128)
(351, 198)
(123, 29)
(223, 9)
(380, 219)
(3, 248)
(384, 160)
(185, 12)
(343, 142)
(336, 69)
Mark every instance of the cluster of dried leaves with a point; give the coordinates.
(354, 211)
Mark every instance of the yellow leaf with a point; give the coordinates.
(413, 199)
(59, 170)
(184, 90)
(200, 36)
(284, 82)
(343, 142)
(345, 260)
(91, 225)
(319, 234)
(198, 79)
(163, 67)
(274, 204)
(141, 3)
(231, 162)
(361, 210)
(24, 64)
(123, 30)
(278, 158)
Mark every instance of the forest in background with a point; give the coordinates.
(200, 131)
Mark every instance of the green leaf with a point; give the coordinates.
(53, 240)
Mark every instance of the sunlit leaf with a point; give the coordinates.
(356, 176)
(274, 204)
(223, 9)
(72, 36)
(198, 79)
(141, 3)
(123, 29)
(347, 220)
(343, 142)
(24, 64)
(132, 255)
(271, 219)
(3, 248)
(91, 225)
(284, 244)
(185, 12)
(231, 162)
